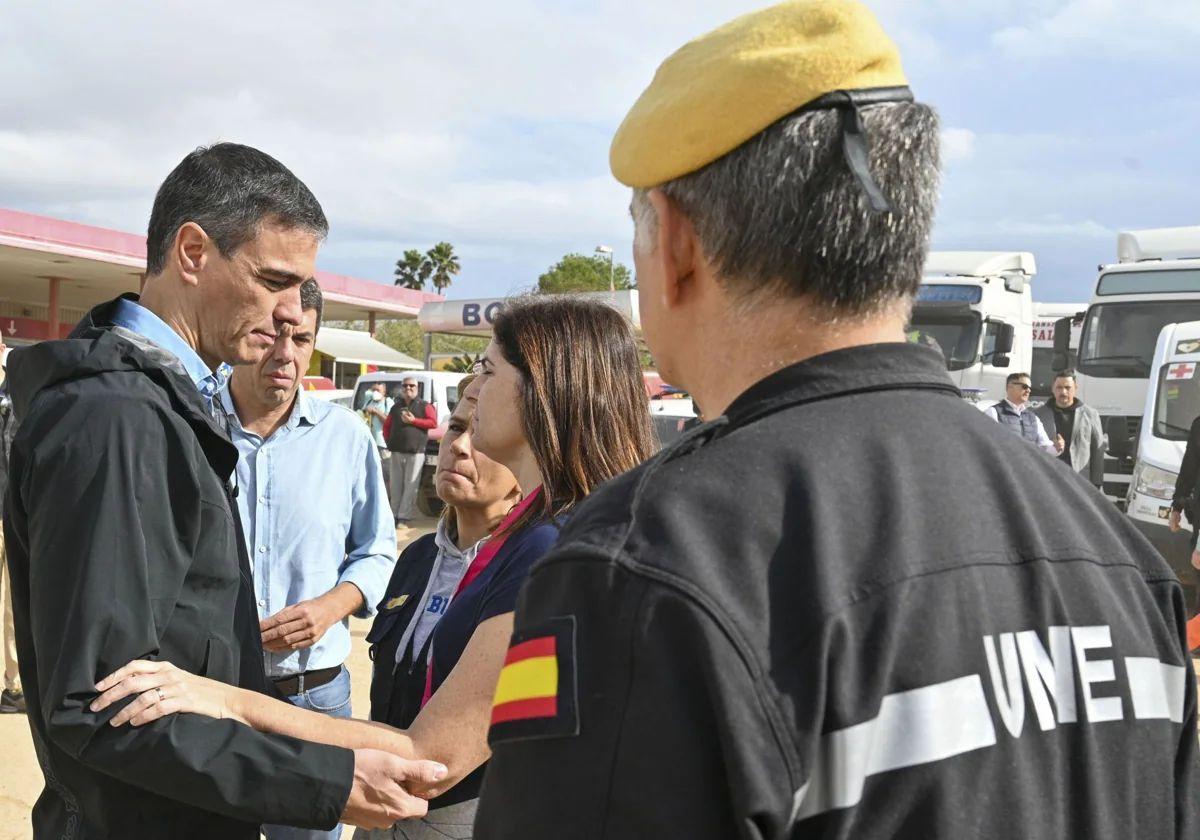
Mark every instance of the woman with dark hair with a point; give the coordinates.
(562, 405)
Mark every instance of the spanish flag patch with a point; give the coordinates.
(535, 695)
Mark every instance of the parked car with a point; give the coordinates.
(338, 396)
(437, 387)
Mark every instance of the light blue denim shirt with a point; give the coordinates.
(316, 514)
(136, 318)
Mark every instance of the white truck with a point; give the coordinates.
(1045, 320)
(1155, 282)
(976, 307)
(1172, 403)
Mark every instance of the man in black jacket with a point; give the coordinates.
(1186, 499)
(123, 543)
(804, 620)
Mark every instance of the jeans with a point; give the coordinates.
(332, 699)
(404, 482)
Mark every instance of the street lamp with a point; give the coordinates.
(607, 249)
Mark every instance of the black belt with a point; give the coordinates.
(291, 686)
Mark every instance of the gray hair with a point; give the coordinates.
(782, 215)
(229, 190)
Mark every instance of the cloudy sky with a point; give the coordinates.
(487, 124)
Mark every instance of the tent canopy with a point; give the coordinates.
(357, 347)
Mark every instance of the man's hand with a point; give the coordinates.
(407, 416)
(1060, 444)
(378, 798)
(1196, 559)
(302, 625)
(1173, 522)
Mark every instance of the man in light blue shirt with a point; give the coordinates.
(316, 520)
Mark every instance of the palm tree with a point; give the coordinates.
(462, 364)
(413, 270)
(445, 264)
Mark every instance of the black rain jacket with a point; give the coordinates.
(853, 607)
(122, 545)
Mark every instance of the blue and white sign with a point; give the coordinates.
(946, 293)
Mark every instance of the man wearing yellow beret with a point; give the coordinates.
(849, 605)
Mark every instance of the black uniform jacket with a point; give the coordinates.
(122, 545)
(1185, 497)
(854, 607)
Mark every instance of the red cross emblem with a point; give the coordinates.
(1181, 371)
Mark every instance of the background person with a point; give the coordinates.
(737, 656)
(407, 432)
(563, 407)
(316, 522)
(1075, 428)
(120, 442)
(1015, 413)
(12, 700)
(1186, 499)
(375, 408)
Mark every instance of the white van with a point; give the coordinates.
(439, 388)
(1172, 403)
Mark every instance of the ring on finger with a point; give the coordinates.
(161, 696)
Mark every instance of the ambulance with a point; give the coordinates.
(1172, 403)
(976, 308)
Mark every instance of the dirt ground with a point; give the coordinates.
(21, 779)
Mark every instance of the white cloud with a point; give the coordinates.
(1121, 29)
(482, 123)
(1053, 227)
(487, 124)
(958, 144)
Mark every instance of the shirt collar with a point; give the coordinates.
(134, 317)
(305, 410)
(869, 367)
(1019, 409)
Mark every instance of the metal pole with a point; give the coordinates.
(52, 321)
(612, 286)
(428, 351)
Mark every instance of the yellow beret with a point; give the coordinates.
(721, 89)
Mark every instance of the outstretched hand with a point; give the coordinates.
(161, 689)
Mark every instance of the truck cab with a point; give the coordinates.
(976, 308)
(1155, 282)
(1045, 322)
(1172, 403)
